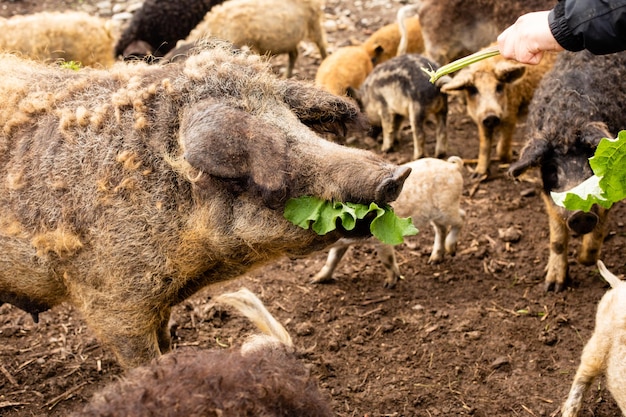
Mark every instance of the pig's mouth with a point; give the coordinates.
(361, 228)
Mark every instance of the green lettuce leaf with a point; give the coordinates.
(322, 216)
(583, 196)
(608, 184)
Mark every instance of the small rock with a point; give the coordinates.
(304, 329)
(512, 234)
(499, 362)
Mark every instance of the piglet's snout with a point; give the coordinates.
(390, 188)
(582, 223)
(491, 121)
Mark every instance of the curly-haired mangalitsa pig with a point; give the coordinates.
(262, 377)
(125, 191)
(452, 29)
(497, 93)
(577, 103)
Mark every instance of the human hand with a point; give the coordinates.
(528, 38)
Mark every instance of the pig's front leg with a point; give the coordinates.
(453, 234)
(128, 331)
(164, 338)
(504, 139)
(436, 255)
(335, 254)
(592, 242)
(441, 147)
(591, 365)
(557, 268)
(417, 129)
(387, 256)
(485, 137)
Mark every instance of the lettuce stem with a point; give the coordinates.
(460, 63)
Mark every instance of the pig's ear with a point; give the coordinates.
(509, 71)
(456, 84)
(531, 156)
(322, 111)
(593, 132)
(378, 51)
(231, 144)
(445, 80)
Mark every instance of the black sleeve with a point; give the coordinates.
(596, 25)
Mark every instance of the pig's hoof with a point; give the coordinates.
(435, 259)
(555, 286)
(391, 283)
(322, 280)
(549, 286)
(478, 176)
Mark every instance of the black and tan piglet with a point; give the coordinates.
(399, 90)
(576, 104)
(125, 191)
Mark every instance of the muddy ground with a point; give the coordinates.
(476, 335)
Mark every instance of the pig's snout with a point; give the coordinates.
(582, 223)
(390, 188)
(491, 121)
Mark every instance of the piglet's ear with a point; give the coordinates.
(509, 71)
(531, 156)
(322, 111)
(228, 143)
(456, 84)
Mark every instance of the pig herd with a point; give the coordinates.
(127, 189)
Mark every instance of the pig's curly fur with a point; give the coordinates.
(194, 383)
(54, 36)
(579, 92)
(271, 27)
(576, 104)
(161, 23)
(343, 71)
(125, 191)
(454, 28)
(384, 44)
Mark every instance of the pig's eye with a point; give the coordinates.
(500, 87)
(550, 176)
(472, 91)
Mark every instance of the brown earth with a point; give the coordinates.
(476, 335)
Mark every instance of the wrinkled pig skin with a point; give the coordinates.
(125, 191)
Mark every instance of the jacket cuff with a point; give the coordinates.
(561, 30)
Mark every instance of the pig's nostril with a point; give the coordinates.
(581, 222)
(390, 188)
(491, 121)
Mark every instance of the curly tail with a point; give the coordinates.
(458, 162)
(400, 17)
(248, 304)
(609, 277)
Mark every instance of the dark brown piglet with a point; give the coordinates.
(577, 103)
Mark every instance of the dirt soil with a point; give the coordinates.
(476, 335)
